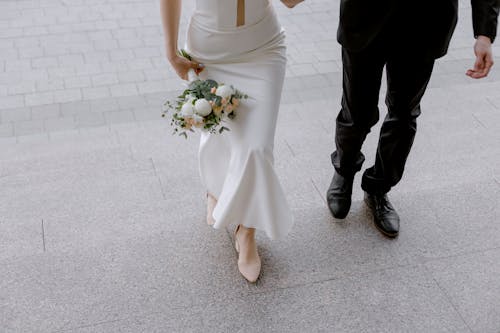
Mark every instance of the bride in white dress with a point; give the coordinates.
(240, 43)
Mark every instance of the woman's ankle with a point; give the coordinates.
(246, 232)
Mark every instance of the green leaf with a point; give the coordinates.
(183, 53)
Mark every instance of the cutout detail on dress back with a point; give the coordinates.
(240, 16)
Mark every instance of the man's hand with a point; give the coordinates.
(291, 3)
(484, 58)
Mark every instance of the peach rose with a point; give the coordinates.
(188, 123)
(217, 110)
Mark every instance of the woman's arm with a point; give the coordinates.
(170, 11)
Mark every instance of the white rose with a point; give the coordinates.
(202, 107)
(224, 92)
(198, 119)
(190, 98)
(187, 109)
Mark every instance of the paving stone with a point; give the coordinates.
(441, 223)
(95, 93)
(44, 286)
(28, 127)
(147, 113)
(132, 102)
(13, 115)
(10, 102)
(471, 285)
(46, 111)
(59, 124)
(40, 98)
(21, 236)
(77, 82)
(339, 248)
(6, 130)
(360, 304)
(174, 320)
(114, 117)
(89, 119)
(22, 88)
(104, 79)
(73, 108)
(125, 89)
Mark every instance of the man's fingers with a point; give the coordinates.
(488, 64)
(479, 64)
(480, 69)
(476, 74)
(484, 58)
(487, 69)
(485, 63)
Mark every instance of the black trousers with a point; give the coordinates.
(407, 79)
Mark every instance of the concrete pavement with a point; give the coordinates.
(102, 213)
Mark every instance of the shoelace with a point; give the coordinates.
(382, 203)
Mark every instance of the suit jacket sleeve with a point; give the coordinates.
(485, 17)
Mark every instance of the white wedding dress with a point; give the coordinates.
(237, 166)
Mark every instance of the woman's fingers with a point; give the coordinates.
(198, 68)
(182, 67)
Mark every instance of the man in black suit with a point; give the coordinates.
(405, 37)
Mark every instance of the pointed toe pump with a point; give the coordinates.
(249, 263)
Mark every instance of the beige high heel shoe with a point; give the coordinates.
(211, 203)
(249, 269)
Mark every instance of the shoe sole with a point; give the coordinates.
(338, 217)
(385, 233)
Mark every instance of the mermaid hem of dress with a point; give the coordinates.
(276, 236)
(265, 210)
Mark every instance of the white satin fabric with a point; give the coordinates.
(237, 166)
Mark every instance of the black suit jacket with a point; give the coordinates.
(424, 26)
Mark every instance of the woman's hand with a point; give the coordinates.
(291, 3)
(182, 66)
(170, 11)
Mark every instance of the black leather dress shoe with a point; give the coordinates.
(339, 194)
(384, 215)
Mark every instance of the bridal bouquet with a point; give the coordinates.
(205, 105)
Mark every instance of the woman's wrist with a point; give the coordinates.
(172, 53)
(171, 57)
